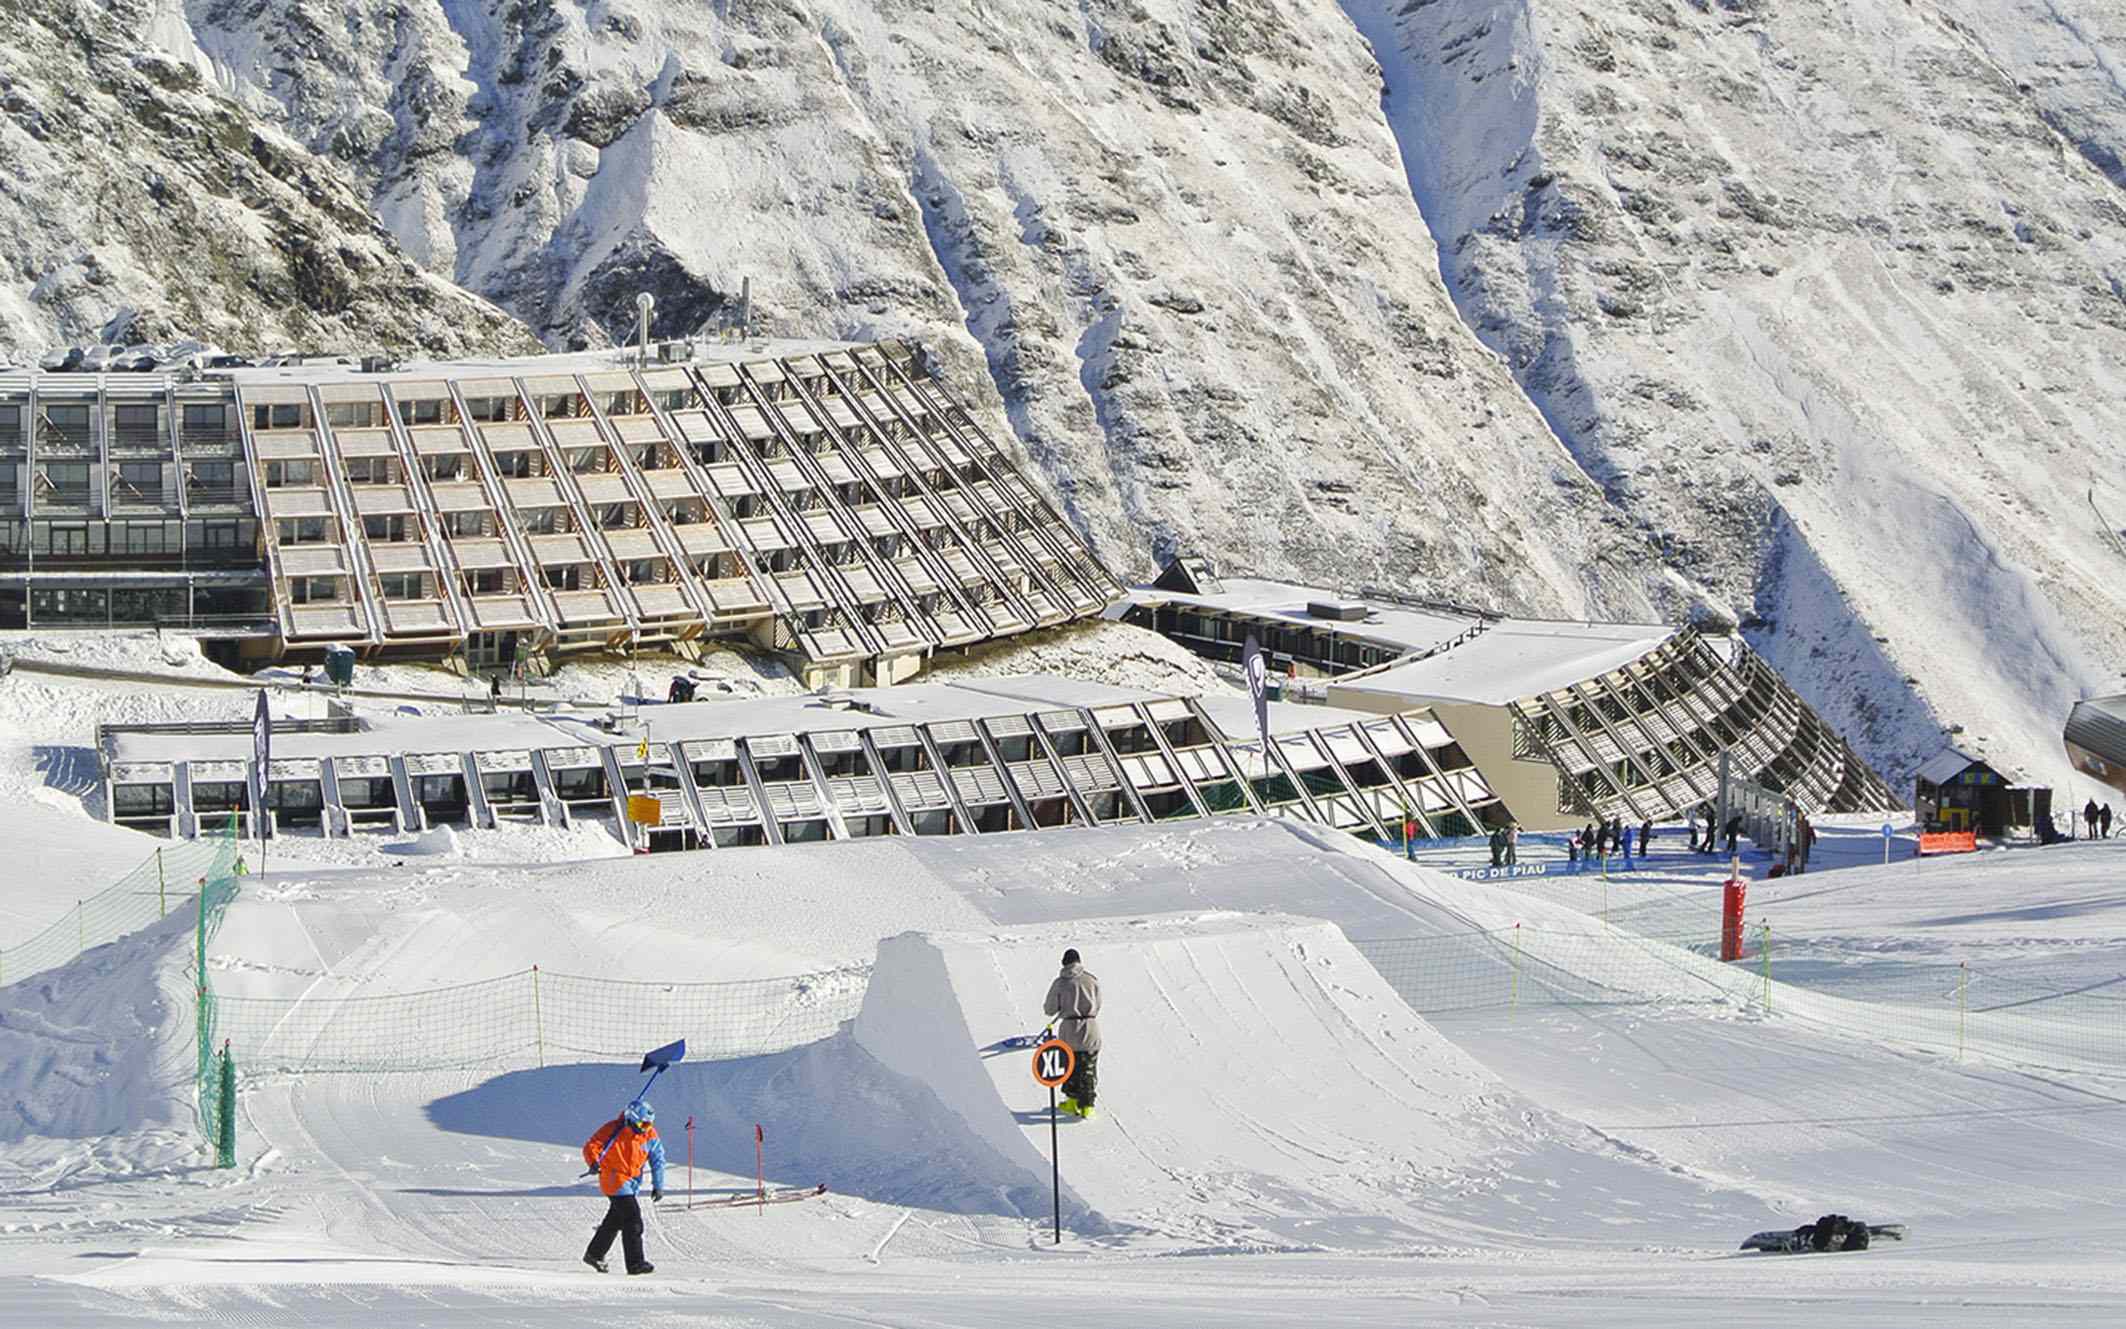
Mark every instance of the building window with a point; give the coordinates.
(141, 481)
(146, 538)
(71, 421)
(141, 800)
(208, 420)
(136, 420)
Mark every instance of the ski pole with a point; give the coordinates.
(690, 1162)
(760, 1166)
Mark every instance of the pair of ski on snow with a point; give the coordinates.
(657, 1062)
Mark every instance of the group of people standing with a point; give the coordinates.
(1506, 845)
(1709, 842)
(1598, 840)
(2097, 819)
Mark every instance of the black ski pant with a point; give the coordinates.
(623, 1219)
(1084, 1081)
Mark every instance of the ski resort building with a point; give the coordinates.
(1565, 720)
(834, 502)
(1011, 754)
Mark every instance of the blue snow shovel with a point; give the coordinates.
(656, 1062)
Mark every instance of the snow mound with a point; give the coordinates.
(1254, 1067)
(439, 840)
(87, 1049)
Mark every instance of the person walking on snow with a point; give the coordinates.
(1646, 837)
(1074, 999)
(2089, 816)
(2103, 822)
(1624, 841)
(634, 1145)
(1513, 843)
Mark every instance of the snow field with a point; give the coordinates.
(1591, 1158)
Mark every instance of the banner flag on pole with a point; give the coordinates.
(261, 748)
(1258, 688)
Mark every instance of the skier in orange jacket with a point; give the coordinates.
(632, 1137)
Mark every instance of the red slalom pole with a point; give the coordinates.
(690, 1162)
(760, 1167)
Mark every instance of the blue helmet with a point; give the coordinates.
(639, 1114)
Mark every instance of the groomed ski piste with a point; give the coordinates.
(1338, 1088)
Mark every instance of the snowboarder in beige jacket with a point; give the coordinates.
(1074, 1000)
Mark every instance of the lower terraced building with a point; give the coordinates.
(1005, 754)
(834, 502)
(1565, 720)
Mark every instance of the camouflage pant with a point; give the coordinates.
(1084, 1079)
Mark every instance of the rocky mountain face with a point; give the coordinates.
(1827, 298)
(139, 204)
(1801, 313)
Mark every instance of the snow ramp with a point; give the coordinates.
(1259, 1083)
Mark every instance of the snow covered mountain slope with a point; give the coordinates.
(137, 204)
(1820, 296)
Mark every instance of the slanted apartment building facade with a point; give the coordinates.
(834, 502)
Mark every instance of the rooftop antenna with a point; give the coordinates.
(644, 303)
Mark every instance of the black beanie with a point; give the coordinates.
(1071, 956)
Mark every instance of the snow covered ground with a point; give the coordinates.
(1268, 1107)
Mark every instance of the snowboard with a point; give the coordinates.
(776, 1195)
(1786, 1241)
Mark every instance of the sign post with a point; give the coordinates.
(1053, 1063)
(1886, 844)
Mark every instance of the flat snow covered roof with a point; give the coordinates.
(16, 381)
(539, 366)
(1400, 626)
(911, 703)
(1512, 659)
